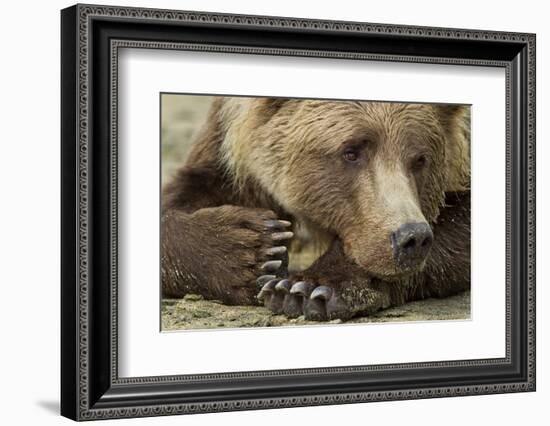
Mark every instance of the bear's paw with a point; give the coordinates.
(316, 302)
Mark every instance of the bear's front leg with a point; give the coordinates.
(219, 252)
(332, 288)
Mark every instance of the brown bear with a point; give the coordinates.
(382, 188)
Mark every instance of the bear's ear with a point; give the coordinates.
(455, 121)
(449, 114)
(268, 107)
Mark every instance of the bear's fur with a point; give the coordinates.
(348, 173)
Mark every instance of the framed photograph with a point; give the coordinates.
(263, 212)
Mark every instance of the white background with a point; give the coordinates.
(29, 229)
(143, 351)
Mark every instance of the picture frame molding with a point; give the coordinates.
(91, 388)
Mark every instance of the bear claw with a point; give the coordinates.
(321, 292)
(277, 224)
(279, 236)
(276, 251)
(267, 288)
(273, 295)
(275, 263)
(301, 288)
(261, 281)
(271, 266)
(293, 305)
(283, 285)
(316, 303)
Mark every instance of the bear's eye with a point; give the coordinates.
(419, 163)
(351, 155)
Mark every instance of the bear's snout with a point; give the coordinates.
(411, 244)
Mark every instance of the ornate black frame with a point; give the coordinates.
(91, 37)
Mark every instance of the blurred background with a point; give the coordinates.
(181, 117)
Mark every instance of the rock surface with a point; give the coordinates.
(193, 312)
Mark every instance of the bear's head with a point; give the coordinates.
(372, 173)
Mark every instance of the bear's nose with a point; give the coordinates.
(411, 243)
